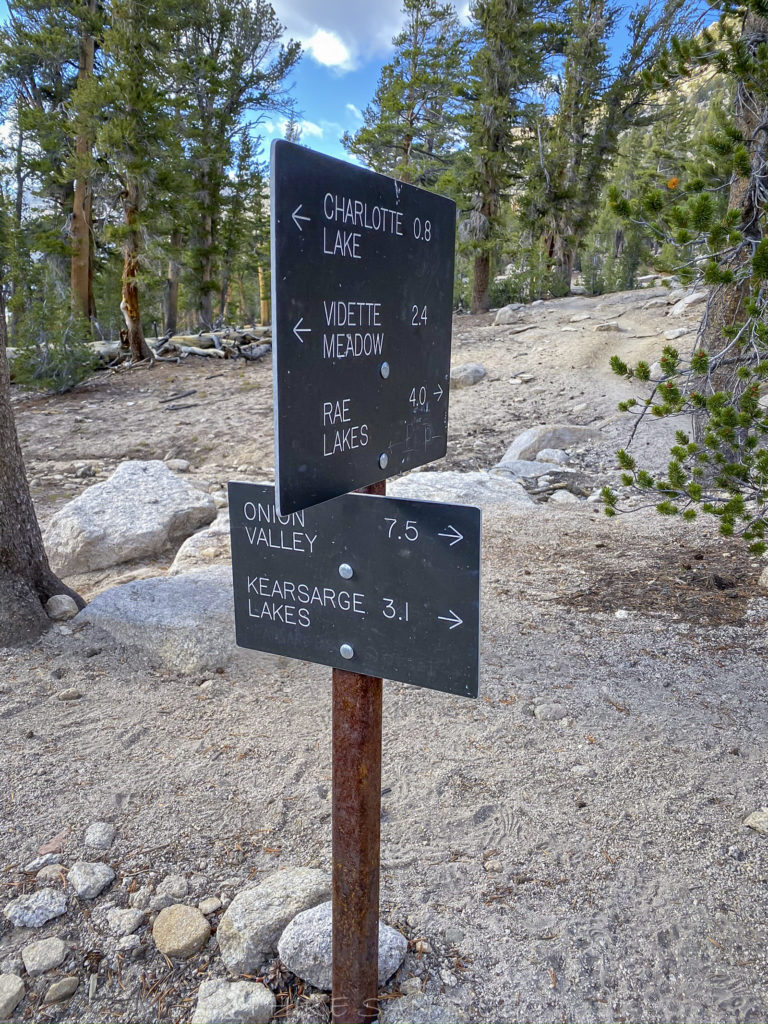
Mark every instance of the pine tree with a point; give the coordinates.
(508, 62)
(228, 60)
(721, 466)
(579, 141)
(410, 128)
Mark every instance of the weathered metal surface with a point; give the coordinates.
(362, 286)
(371, 584)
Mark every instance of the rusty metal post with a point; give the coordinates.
(356, 832)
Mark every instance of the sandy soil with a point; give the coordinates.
(569, 847)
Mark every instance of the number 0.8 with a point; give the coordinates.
(422, 229)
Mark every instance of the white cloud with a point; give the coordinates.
(354, 111)
(310, 128)
(328, 49)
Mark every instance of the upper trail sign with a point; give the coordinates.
(362, 292)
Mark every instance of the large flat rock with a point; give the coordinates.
(186, 621)
(137, 513)
(477, 488)
(527, 445)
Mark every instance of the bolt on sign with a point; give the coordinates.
(380, 586)
(362, 293)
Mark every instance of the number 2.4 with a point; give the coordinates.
(418, 318)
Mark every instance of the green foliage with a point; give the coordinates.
(51, 344)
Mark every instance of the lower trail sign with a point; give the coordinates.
(374, 585)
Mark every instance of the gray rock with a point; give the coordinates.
(209, 905)
(508, 314)
(305, 947)
(257, 916)
(550, 712)
(553, 454)
(61, 607)
(758, 820)
(558, 435)
(172, 889)
(36, 908)
(71, 693)
(43, 956)
(562, 496)
(233, 1002)
(524, 469)
(141, 509)
(466, 375)
(61, 990)
(204, 548)
(89, 878)
(763, 579)
(687, 302)
(41, 862)
(124, 920)
(100, 835)
(479, 488)
(656, 371)
(578, 289)
(185, 621)
(609, 326)
(675, 333)
(180, 931)
(177, 465)
(51, 873)
(11, 994)
(580, 318)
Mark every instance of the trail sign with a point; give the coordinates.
(380, 586)
(362, 294)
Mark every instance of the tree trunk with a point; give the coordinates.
(206, 284)
(264, 313)
(172, 287)
(481, 280)
(129, 305)
(563, 258)
(81, 263)
(26, 579)
(725, 305)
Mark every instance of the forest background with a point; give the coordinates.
(134, 176)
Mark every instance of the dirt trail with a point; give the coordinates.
(569, 847)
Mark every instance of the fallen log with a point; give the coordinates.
(191, 350)
(254, 352)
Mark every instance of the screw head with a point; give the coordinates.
(346, 571)
(383, 460)
(384, 370)
(346, 652)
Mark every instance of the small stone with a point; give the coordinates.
(466, 375)
(411, 986)
(508, 314)
(305, 947)
(763, 580)
(255, 919)
(564, 497)
(552, 455)
(220, 499)
(172, 889)
(675, 333)
(59, 672)
(736, 853)
(209, 906)
(41, 862)
(621, 613)
(36, 908)
(609, 326)
(99, 835)
(580, 318)
(124, 921)
(579, 407)
(11, 994)
(180, 931)
(61, 990)
(238, 1002)
(178, 465)
(51, 873)
(43, 956)
(89, 878)
(129, 944)
(140, 898)
(493, 866)
(61, 607)
(69, 694)
(550, 712)
(758, 820)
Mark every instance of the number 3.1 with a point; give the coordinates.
(417, 318)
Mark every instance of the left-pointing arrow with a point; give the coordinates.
(298, 330)
(453, 618)
(298, 217)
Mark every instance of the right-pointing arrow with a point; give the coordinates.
(439, 393)
(452, 617)
(453, 536)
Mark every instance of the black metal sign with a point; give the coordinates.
(381, 586)
(362, 291)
